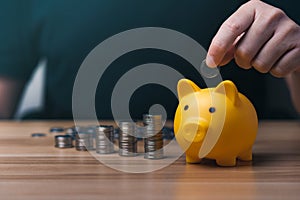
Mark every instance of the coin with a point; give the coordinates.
(63, 141)
(127, 140)
(158, 154)
(57, 129)
(207, 71)
(84, 140)
(38, 135)
(104, 139)
(153, 140)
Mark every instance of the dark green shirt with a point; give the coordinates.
(64, 32)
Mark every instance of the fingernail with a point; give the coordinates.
(210, 61)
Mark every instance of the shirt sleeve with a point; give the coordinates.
(18, 52)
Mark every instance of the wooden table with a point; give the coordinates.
(31, 168)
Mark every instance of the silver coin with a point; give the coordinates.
(153, 140)
(153, 156)
(38, 135)
(128, 140)
(81, 148)
(56, 129)
(103, 142)
(207, 71)
(132, 148)
(105, 147)
(104, 128)
(155, 146)
(127, 153)
(104, 139)
(63, 141)
(127, 147)
(152, 149)
(105, 151)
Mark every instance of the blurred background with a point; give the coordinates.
(48, 40)
(33, 97)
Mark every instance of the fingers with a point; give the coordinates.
(230, 30)
(260, 36)
(288, 63)
(275, 49)
(257, 35)
(228, 56)
(231, 51)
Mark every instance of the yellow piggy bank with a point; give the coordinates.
(215, 123)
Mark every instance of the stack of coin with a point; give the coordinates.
(127, 140)
(92, 130)
(153, 140)
(84, 140)
(63, 141)
(72, 131)
(116, 133)
(104, 139)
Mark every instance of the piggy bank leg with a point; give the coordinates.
(226, 162)
(246, 156)
(190, 159)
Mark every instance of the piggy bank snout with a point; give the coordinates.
(195, 131)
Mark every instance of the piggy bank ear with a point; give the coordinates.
(229, 89)
(185, 87)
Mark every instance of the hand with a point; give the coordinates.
(260, 36)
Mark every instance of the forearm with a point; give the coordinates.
(293, 81)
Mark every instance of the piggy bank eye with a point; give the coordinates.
(186, 107)
(212, 109)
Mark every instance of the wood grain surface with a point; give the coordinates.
(31, 168)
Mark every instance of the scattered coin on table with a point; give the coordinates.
(102, 138)
(38, 135)
(56, 129)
